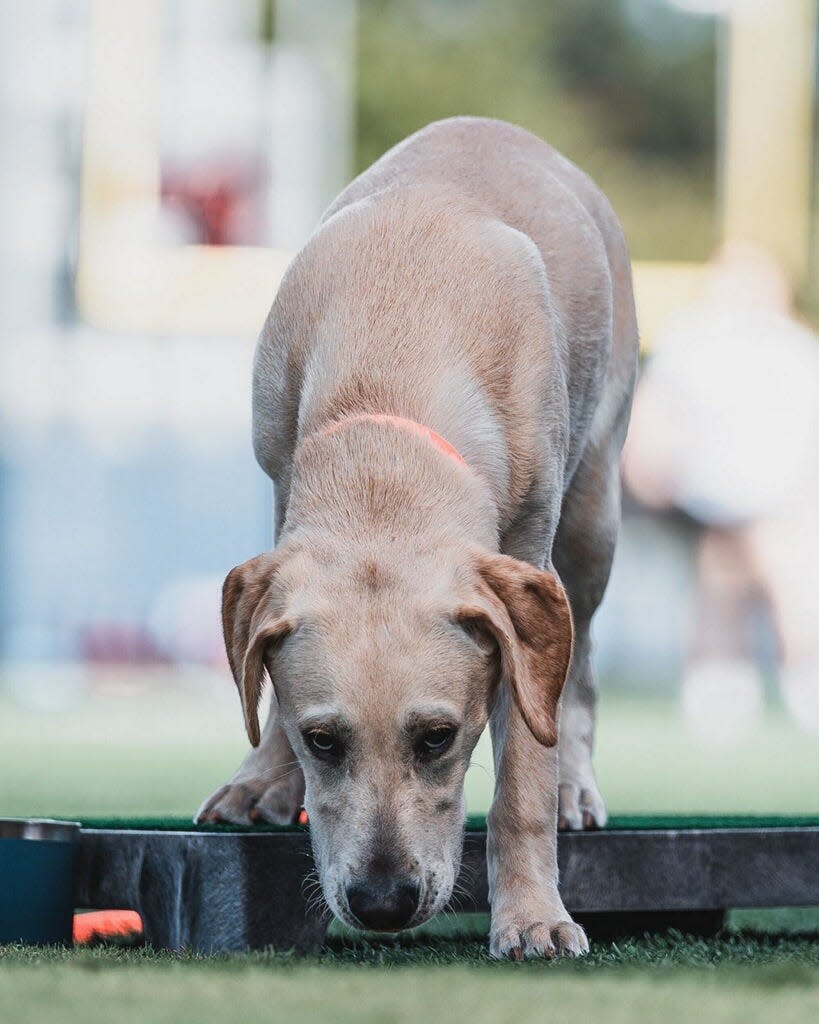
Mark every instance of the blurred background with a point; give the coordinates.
(160, 160)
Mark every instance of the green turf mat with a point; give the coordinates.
(710, 821)
(477, 823)
(168, 824)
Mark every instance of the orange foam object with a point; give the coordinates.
(106, 924)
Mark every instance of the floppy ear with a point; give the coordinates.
(250, 628)
(527, 612)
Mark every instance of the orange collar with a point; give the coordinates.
(400, 421)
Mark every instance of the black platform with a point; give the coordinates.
(224, 888)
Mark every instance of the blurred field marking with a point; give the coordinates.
(206, 291)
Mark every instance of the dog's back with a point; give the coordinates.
(471, 268)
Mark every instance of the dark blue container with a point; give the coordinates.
(37, 860)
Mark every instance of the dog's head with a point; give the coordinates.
(385, 670)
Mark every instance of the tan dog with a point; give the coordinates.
(477, 284)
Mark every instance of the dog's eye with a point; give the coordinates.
(435, 741)
(324, 744)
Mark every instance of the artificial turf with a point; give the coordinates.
(732, 948)
(667, 977)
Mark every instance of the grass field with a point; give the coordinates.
(740, 977)
(159, 751)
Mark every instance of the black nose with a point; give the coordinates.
(386, 906)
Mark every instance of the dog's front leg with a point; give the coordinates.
(268, 786)
(528, 916)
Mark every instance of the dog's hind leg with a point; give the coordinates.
(528, 914)
(268, 786)
(583, 554)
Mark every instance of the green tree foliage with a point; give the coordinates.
(623, 87)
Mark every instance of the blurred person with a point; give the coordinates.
(726, 429)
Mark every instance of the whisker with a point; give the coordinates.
(310, 880)
(318, 905)
(278, 778)
(278, 768)
(468, 873)
(461, 895)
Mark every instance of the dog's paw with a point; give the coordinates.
(255, 801)
(580, 806)
(547, 939)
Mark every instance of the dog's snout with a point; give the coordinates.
(384, 906)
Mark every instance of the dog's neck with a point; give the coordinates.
(376, 474)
